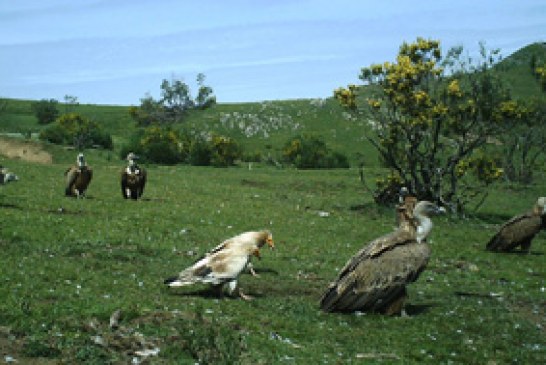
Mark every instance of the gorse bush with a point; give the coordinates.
(74, 129)
(165, 145)
(225, 151)
(308, 152)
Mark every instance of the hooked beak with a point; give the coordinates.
(270, 243)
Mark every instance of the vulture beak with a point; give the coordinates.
(270, 243)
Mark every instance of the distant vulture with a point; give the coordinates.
(133, 179)
(78, 178)
(520, 230)
(6, 176)
(223, 264)
(375, 279)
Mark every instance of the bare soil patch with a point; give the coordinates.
(24, 150)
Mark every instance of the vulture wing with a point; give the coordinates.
(519, 230)
(71, 175)
(143, 176)
(214, 268)
(377, 274)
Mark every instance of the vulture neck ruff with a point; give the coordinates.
(424, 227)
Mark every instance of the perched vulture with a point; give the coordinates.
(133, 179)
(375, 279)
(78, 178)
(224, 263)
(520, 230)
(6, 176)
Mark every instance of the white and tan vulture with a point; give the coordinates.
(222, 265)
(133, 179)
(6, 176)
(375, 279)
(520, 230)
(78, 178)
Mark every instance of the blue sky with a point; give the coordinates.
(117, 51)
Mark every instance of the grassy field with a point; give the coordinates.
(68, 264)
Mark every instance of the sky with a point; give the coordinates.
(119, 51)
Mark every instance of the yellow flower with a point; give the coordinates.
(454, 89)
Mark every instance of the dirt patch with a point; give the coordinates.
(24, 150)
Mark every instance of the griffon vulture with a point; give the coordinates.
(520, 230)
(6, 176)
(223, 264)
(375, 279)
(133, 179)
(78, 178)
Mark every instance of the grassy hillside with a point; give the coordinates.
(258, 127)
(516, 71)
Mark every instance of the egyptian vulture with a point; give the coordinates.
(223, 264)
(375, 279)
(520, 230)
(133, 179)
(78, 178)
(6, 176)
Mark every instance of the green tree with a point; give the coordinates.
(45, 110)
(175, 102)
(150, 112)
(431, 121)
(70, 103)
(205, 95)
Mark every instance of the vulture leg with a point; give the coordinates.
(232, 288)
(397, 305)
(526, 245)
(218, 290)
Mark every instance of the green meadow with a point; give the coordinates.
(67, 265)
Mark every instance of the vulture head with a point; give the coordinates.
(540, 206)
(131, 158)
(422, 213)
(265, 237)
(80, 160)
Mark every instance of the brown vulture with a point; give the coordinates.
(375, 279)
(223, 264)
(133, 179)
(78, 178)
(520, 230)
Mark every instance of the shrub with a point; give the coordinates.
(56, 134)
(307, 152)
(200, 152)
(74, 129)
(225, 151)
(161, 145)
(45, 110)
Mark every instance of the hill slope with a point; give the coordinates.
(266, 126)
